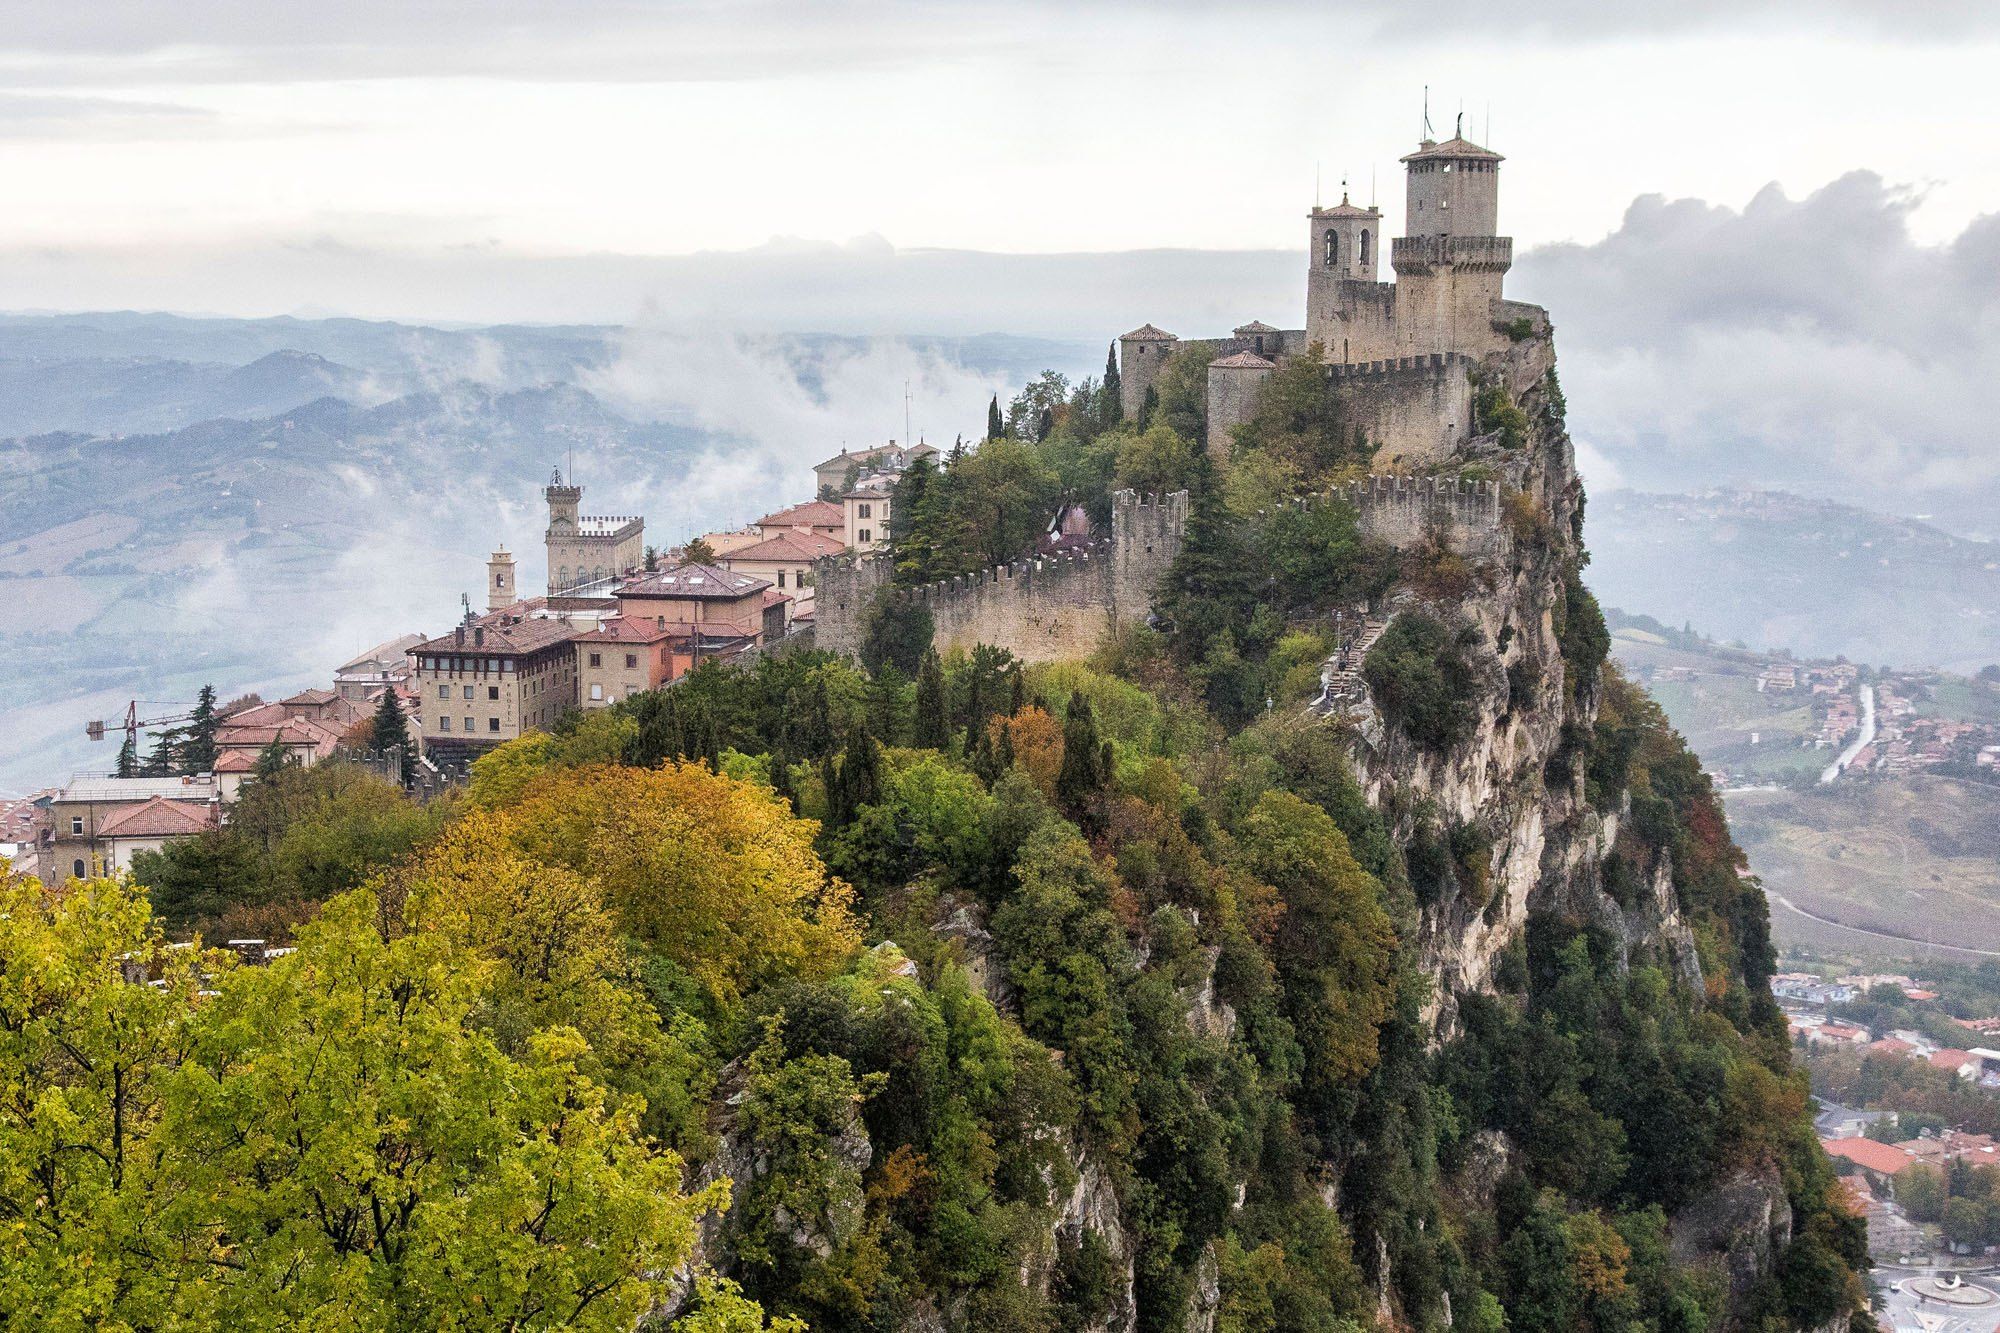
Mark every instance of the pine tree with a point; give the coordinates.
(1149, 406)
(995, 426)
(781, 781)
(271, 760)
(197, 749)
(1017, 697)
(933, 724)
(1112, 394)
(164, 760)
(857, 781)
(392, 728)
(128, 757)
(1212, 588)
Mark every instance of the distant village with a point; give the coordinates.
(1877, 1150)
(1889, 712)
(615, 617)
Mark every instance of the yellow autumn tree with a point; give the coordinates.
(711, 872)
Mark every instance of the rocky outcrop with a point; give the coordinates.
(1740, 1227)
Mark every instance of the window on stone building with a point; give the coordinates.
(781, 578)
(631, 661)
(444, 723)
(468, 724)
(493, 724)
(1332, 247)
(1367, 250)
(596, 693)
(864, 511)
(76, 868)
(444, 691)
(866, 536)
(493, 691)
(76, 824)
(597, 659)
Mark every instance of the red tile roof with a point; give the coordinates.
(811, 514)
(158, 818)
(1951, 1059)
(795, 544)
(695, 583)
(1881, 1158)
(505, 635)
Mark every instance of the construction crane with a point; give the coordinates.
(133, 722)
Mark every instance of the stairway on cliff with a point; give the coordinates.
(1341, 685)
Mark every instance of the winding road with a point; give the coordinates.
(1864, 739)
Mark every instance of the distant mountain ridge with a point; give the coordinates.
(1785, 571)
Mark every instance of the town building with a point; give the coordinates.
(363, 679)
(865, 513)
(828, 518)
(621, 657)
(88, 824)
(587, 554)
(494, 678)
(785, 561)
(709, 604)
(147, 827)
(838, 475)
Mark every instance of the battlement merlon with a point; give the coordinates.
(1425, 254)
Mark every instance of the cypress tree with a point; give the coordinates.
(1045, 424)
(1003, 751)
(995, 426)
(781, 781)
(392, 727)
(856, 782)
(1113, 410)
(128, 757)
(1082, 772)
(197, 750)
(933, 729)
(1017, 698)
(1149, 407)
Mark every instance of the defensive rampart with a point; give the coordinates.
(1043, 608)
(1401, 511)
(1413, 409)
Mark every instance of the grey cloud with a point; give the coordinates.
(748, 39)
(50, 116)
(1808, 343)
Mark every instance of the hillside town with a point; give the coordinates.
(615, 618)
(1895, 722)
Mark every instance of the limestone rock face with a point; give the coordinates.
(1742, 1225)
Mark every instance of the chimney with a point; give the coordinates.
(459, 635)
(479, 637)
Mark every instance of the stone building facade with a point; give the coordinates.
(492, 679)
(587, 552)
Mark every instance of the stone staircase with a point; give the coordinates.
(1341, 686)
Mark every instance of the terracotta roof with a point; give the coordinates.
(1146, 333)
(811, 514)
(1891, 1046)
(157, 818)
(235, 761)
(696, 582)
(505, 635)
(1950, 1059)
(633, 630)
(311, 697)
(1243, 361)
(793, 544)
(1881, 1158)
(1456, 147)
(772, 597)
(1343, 209)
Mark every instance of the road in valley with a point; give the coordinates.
(1862, 739)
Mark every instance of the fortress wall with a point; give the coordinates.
(1413, 409)
(1039, 609)
(843, 588)
(1351, 320)
(1401, 510)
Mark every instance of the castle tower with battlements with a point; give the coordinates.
(587, 553)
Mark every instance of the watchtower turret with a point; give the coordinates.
(564, 504)
(1453, 189)
(1346, 241)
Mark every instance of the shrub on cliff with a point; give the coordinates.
(1422, 680)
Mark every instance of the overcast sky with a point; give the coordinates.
(1766, 230)
(237, 155)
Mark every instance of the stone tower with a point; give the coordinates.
(1141, 353)
(586, 551)
(1234, 384)
(1450, 265)
(500, 591)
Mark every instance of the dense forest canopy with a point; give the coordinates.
(928, 993)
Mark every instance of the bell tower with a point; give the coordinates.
(500, 590)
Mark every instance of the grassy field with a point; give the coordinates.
(1727, 720)
(1917, 859)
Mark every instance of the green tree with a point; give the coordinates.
(1920, 1188)
(272, 760)
(1156, 462)
(128, 757)
(1113, 391)
(1420, 678)
(898, 634)
(392, 730)
(933, 723)
(197, 751)
(1084, 770)
(698, 552)
(164, 759)
(995, 427)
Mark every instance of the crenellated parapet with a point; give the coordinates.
(1041, 608)
(1401, 511)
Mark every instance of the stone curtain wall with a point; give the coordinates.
(1042, 609)
(1412, 409)
(1401, 510)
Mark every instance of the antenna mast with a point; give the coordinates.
(1427, 111)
